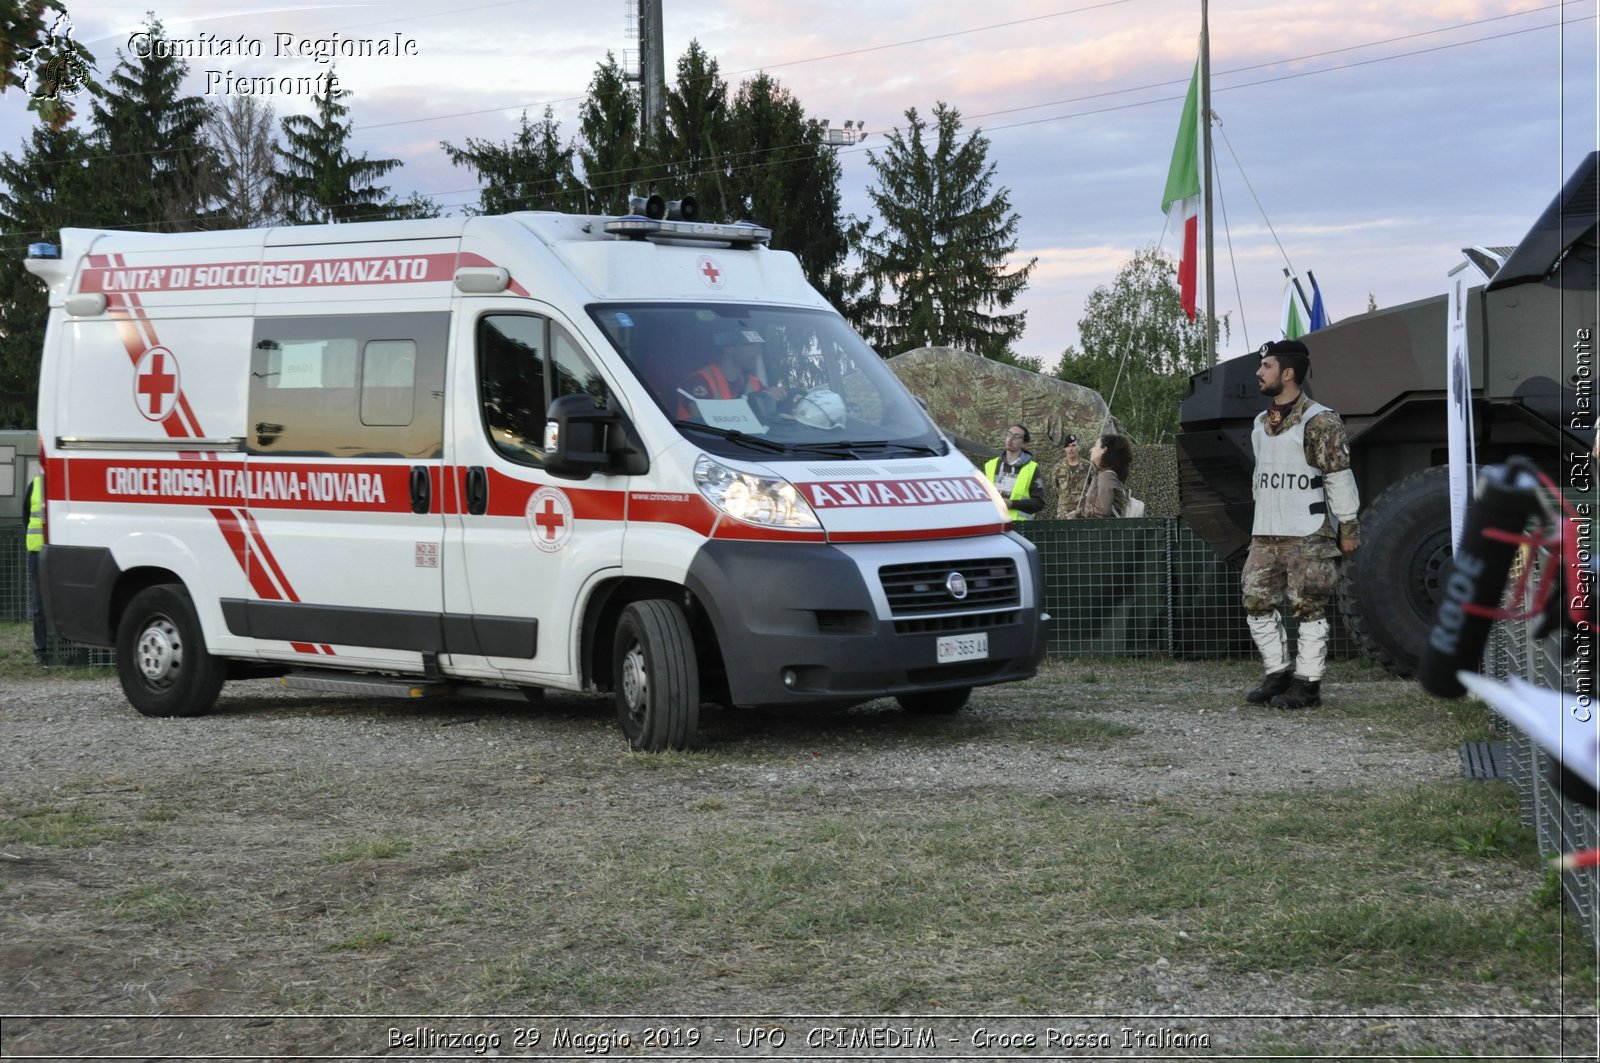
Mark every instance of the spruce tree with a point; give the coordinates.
(947, 235)
(532, 172)
(154, 168)
(46, 188)
(782, 176)
(320, 181)
(609, 150)
(691, 145)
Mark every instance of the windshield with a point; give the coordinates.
(745, 380)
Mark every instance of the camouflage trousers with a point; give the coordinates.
(1303, 570)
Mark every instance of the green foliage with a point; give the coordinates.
(45, 188)
(1139, 347)
(947, 235)
(320, 181)
(610, 153)
(153, 168)
(690, 146)
(533, 172)
(55, 65)
(783, 176)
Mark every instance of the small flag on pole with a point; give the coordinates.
(1319, 315)
(1181, 200)
(1294, 313)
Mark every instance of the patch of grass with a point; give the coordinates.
(367, 849)
(157, 904)
(63, 828)
(364, 941)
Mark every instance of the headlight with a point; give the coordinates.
(766, 500)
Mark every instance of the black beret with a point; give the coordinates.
(1284, 347)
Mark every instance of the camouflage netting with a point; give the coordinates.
(974, 399)
(1154, 478)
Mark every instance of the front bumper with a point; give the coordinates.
(805, 623)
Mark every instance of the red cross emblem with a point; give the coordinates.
(155, 384)
(710, 272)
(549, 516)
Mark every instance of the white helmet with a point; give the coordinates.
(820, 409)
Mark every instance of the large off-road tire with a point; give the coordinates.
(935, 702)
(657, 676)
(1389, 588)
(161, 655)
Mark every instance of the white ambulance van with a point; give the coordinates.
(633, 454)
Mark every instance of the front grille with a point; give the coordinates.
(944, 625)
(919, 589)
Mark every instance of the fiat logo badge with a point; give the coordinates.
(956, 585)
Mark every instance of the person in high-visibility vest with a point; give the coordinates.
(1016, 474)
(34, 541)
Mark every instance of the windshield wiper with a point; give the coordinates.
(755, 442)
(854, 449)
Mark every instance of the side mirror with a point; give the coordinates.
(581, 438)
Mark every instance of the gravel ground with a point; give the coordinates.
(74, 736)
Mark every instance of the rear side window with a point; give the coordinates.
(525, 361)
(369, 386)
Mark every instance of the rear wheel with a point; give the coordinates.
(161, 656)
(936, 702)
(657, 676)
(1390, 587)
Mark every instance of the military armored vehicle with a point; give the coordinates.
(1531, 329)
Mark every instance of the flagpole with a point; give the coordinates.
(1205, 180)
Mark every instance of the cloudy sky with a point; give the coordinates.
(1366, 142)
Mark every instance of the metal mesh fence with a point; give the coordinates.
(1147, 587)
(14, 600)
(1144, 587)
(1560, 824)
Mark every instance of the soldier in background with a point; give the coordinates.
(1072, 477)
(1305, 521)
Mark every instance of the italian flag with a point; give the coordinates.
(1181, 200)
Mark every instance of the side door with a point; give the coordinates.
(343, 469)
(528, 547)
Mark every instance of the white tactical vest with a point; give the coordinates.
(1287, 488)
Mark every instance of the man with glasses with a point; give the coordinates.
(1016, 474)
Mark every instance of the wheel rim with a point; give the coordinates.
(635, 683)
(1425, 581)
(159, 652)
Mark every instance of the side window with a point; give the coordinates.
(358, 386)
(511, 384)
(575, 374)
(388, 382)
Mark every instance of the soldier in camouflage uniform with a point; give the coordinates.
(1072, 477)
(1305, 521)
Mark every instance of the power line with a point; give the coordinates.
(1110, 93)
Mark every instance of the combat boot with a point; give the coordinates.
(1273, 685)
(1302, 694)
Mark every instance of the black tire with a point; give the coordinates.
(1389, 588)
(162, 659)
(936, 702)
(657, 677)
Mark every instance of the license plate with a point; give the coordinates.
(963, 648)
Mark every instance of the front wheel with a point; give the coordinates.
(162, 659)
(935, 702)
(657, 676)
(1391, 586)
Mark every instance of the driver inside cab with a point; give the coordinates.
(732, 374)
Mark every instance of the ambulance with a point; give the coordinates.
(422, 455)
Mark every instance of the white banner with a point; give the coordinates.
(1458, 389)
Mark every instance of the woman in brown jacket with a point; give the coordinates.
(1112, 456)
